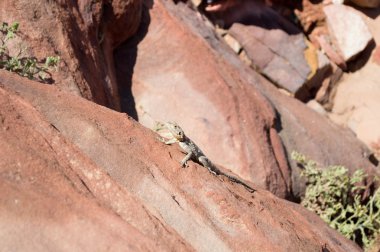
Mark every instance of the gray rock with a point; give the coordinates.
(276, 54)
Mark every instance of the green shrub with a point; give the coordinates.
(338, 199)
(24, 66)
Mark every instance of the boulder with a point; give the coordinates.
(55, 197)
(82, 34)
(356, 105)
(276, 54)
(79, 176)
(229, 110)
(313, 22)
(229, 120)
(349, 32)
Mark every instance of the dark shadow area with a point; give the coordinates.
(362, 58)
(369, 12)
(372, 158)
(93, 74)
(251, 13)
(125, 59)
(278, 127)
(310, 89)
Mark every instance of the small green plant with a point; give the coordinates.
(338, 199)
(9, 31)
(25, 66)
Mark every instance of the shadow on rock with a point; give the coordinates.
(361, 59)
(248, 12)
(125, 60)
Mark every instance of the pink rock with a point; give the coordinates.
(376, 55)
(54, 196)
(351, 34)
(219, 101)
(61, 27)
(79, 176)
(206, 96)
(356, 104)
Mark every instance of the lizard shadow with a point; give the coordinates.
(125, 60)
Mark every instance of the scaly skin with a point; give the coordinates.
(195, 153)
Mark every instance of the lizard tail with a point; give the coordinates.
(215, 170)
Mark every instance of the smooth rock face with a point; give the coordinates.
(276, 54)
(357, 105)
(229, 120)
(78, 176)
(350, 33)
(55, 197)
(218, 101)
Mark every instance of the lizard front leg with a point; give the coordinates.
(186, 158)
(170, 141)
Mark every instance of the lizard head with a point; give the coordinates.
(176, 130)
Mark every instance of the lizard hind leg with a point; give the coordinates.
(206, 163)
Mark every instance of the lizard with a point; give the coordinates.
(195, 153)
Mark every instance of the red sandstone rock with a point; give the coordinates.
(219, 102)
(53, 195)
(230, 120)
(83, 34)
(78, 176)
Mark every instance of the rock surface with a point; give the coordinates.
(228, 119)
(82, 34)
(53, 195)
(78, 176)
(218, 100)
(81, 177)
(350, 33)
(278, 55)
(356, 104)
